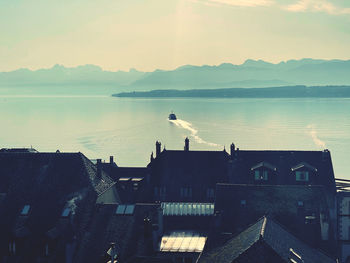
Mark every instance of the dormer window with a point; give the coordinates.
(302, 172)
(262, 171)
(25, 210)
(261, 175)
(302, 176)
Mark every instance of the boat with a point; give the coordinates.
(172, 116)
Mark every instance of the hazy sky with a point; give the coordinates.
(150, 34)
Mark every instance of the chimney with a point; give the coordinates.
(158, 145)
(232, 151)
(99, 168)
(187, 144)
(152, 158)
(111, 161)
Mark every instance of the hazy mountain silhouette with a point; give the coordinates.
(60, 75)
(250, 74)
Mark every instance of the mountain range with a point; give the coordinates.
(250, 74)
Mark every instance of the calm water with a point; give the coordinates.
(128, 128)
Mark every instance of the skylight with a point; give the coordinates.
(129, 209)
(25, 210)
(125, 210)
(120, 209)
(66, 212)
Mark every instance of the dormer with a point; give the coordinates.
(263, 171)
(303, 172)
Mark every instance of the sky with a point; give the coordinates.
(165, 34)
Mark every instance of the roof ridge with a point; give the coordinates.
(263, 227)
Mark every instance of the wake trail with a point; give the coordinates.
(194, 133)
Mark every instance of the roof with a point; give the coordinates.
(47, 183)
(183, 242)
(304, 165)
(284, 163)
(187, 209)
(264, 164)
(125, 230)
(277, 238)
(187, 168)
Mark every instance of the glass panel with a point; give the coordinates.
(129, 209)
(66, 212)
(257, 175)
(25, 210)
(120, 209)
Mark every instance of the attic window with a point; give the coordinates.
(65, 212)
(302, 176)
(125, 210)
(25, 210)
(261, 175)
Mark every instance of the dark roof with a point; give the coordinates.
(274, 236)
(126, 231)
(18, 150)
(284, 161)
(173, 167)
(48, 182)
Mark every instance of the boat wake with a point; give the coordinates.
(194, 133)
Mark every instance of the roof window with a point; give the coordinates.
(125, 210)
(25, 210)
(65, 212)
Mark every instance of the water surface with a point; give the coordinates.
(127, 128)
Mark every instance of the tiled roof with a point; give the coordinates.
(274, 236)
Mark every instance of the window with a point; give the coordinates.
(12, 247)
(210, 193)
(65, 212)
(243, 202)
(120, 209)
(125, 210)
(302, 176)
(261, 175)
(186, 192)
(25, 210)
(129, 210)
(46, 249)
(300, 203)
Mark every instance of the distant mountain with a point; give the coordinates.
(274, 92)
(60, 75)
(250, 74)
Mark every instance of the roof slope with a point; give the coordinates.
(47, 182)
(274, 236)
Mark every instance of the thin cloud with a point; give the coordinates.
(317, 6)
(238, 3)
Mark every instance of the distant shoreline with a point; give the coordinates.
(272, 92)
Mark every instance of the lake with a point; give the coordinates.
(100, 126)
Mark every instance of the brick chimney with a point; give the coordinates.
(187, 145)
